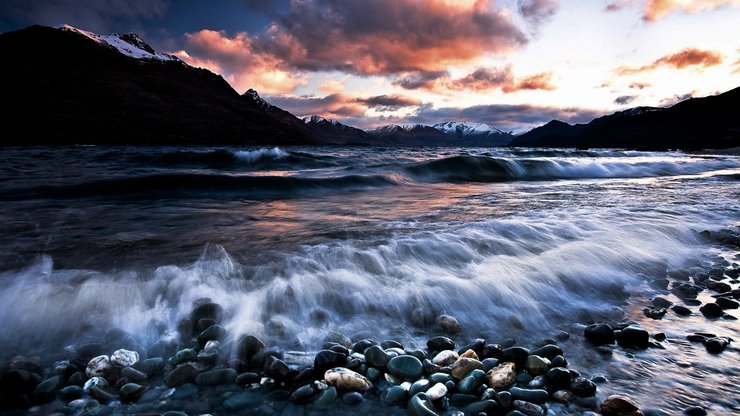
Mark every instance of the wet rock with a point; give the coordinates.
(661, 302)
(405, 366)
(489, 363)
(327, 398)
(559, 361)
(633, 336)
(215, 377)
(437, 391)
(421, 405)
(516, 355)
(654, 313)
(502, 376)
(471, 382)
(492, 351)
(538, 396)
(448, 324)
(150, 366)
(681, 310)
(276, 368)
(327, 359)
(131, 392)
(212, 333)
(133, 374)
(711, 310)
(695, 411)
(527, 408)
(102, 395)
(248, 347)
(504, 398)
(563, 396)
(548, 351)
(558, 378)
(353, 398)
(184, 373)
(124, 358)
(583, 387)
(470, 354)
(726, 303)
(720, 287)
(599, 334)
(482, 407)
(363, 344)
(242, 401)
(184, 355)
(71, 392)
(660, 283)
(419, 386)
(390, 344)
(94, 382)
(460, 399)
(685, 291)
(617, 405)
(209, 310)
(440, 378)
(339, 338)
(476, 345)
(716, 345)
(248, 378)
(346, 379)
(46, 390)
(396, 395)
(440, 344)
(445, 358)
(463, 366)
(536, 365)
(376, 357)
(98, 366)
(302, 395)
(339, 348)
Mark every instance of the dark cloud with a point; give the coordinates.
(639, 85)
(96, 15)
(483, 79)
(389, 102)
(341, 106)
(669, 101)
(616, 5)
(421, 80)
(537, 11)
(688, 57)
(625, 99)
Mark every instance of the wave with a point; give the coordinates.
(191, 185)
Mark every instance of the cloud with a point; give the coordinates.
(481, 79)
(389, 102)
(657, 9)
(341, 106)
(236, 59)
(669, 101)
(690, 57)
(539, 81)
(332, 86)
(625, 99)
(639, 85)
(421, 80)
(95, 15)
(616, 5)
(537, 11)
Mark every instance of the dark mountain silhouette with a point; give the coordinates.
(335, 132)
(697, 123)
(65, 86)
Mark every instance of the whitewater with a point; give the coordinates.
(297, 243)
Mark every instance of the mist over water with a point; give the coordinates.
(298, 242)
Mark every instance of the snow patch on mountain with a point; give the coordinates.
(254, 96)
(467, 129)
(129, 44)
(317, 119)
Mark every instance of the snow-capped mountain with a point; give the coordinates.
(317, 119)
(336, 132)
(481, 133)
(129, 44)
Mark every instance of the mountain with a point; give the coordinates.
(68, 86)
(410, 135)
(475, 134)
(335, 132)
(697, 123)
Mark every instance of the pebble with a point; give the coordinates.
(516, 355)
(440, 344)
(695, 411)
(527, 408)
(726, 303)
(471, 382)
(346, 379)
(583, 387)
(711, 310)
(449, 324)
(353, 398)
(538, 396)
(124, 358)
(558, 378)
(616, 405)
(327, 397)
(98, 366)
(501, 376)
(599, 334)
(405, 366)
(419, 386)
(633, 336)
(463, 366)
(681, 310)
(302, 394)
(396, 395)
(94, 382)
(327, 359)
(548, 351)
(184, 373)
(504, 398)
(131, 392)
(536, 365)
(377, 357)
(446, 357)
(421, 405)
(437, 391)
(716, 345)
(215, 377)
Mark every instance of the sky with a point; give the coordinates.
(513, 64)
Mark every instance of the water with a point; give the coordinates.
(297, 242)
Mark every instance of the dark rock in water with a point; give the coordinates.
(633, 337)
(215, 377)
(85, 352)
(242, 401)
(695, 411)
(363, 344)
(184, 355)
(516, 355)
(661, 284)
(711, 310)
(475, 345)
(489, 363)
(338, 338)
(559, 361)
(352, 398)
(302, 395)
(440, 344)
(717, 344)
(504, 398)
(617, 405)
(131, 392)
(699, 337)
(548, 351)
(659, 336)
(471, 382)
(203, 324)
(207, 310)
(679, 275)
(184, 373)
(448, 324)
(390, 344)
(419, 386)
(421, 355)
(492, 351)
(248, 378)
(70, 392)
(459, 399)
(681, 310)
(527, 408)
(405, 366)
(327, 398)
(583, 387)
(685, 291)
(133, 374)
(720, 287)
(692, 302)
(599, 334)
(339, 348)
(421, 405)
(212, 333)
(654, 313)
(326, 360)
(248, 347)
(558, 378)
(101, 395)
(538, 396)
(726, 303)
(150, 366)
(661, 302)
(482, 407)
(464, 366)
(276, 368)
(46, 390)
(376, 357)
(396, 395)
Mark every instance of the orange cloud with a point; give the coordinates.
(682, 59)
(237, 61)
(482, 79)
(539, 81)
(341, 106)
(656, 9)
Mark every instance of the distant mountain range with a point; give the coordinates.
(68, 86)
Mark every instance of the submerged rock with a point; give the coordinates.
(633, 336)
(617, 405)
(449, 324)
(711, 310)
(599, 334)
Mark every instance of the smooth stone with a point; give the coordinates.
(101, 395)
(449, 324)
(446, 357)
(528, 408)
(71, 392)
(337, 348)
(482, 407)
(616, 405)
(471, 382)
(711, 310)
(346, 379)
(374, 374)
(548, 351)
(124, 358)
(248, 347)
(440, 378)
(212, 333)
(363, 344)
(150, 366)
(133, 374)
(327, 397)
(184, 373)
(558, 378)
(720, 287)
(184, 355)
(302, 394)
(583, 387)
(327, 359)
(131, 392)
(717, 344)
(599, 379)
(523, 378)
(563, 396)
(338, 338)
(516, 355)
(536, 365)
(419, 386)
(377, 357)
(695, 411)
(726, 303)
(242, 401)
(685, 291)
(396, 395)
(353, 398)
(470, 354)
(208, 310)
(489, 363)
(660, 336)
(185, 391)
(437, 391)
(538, 382)
(504, 398)
(421, 355)
(492, 351)
(392, 380)
(559, 361)
(681, 310)
(599, 334)
(633, 336)
(47, 389)
(538, 396)
(654, 313)
(661, 302)
(476, 345)
(390, 344)
(215, 377)
(460, 399)
(94, 382)
(421, 405)
(98, 366)
(463, 366)
(501, 376)
(405, 366)
(276, 368)
(248, 378)
(440, 344)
